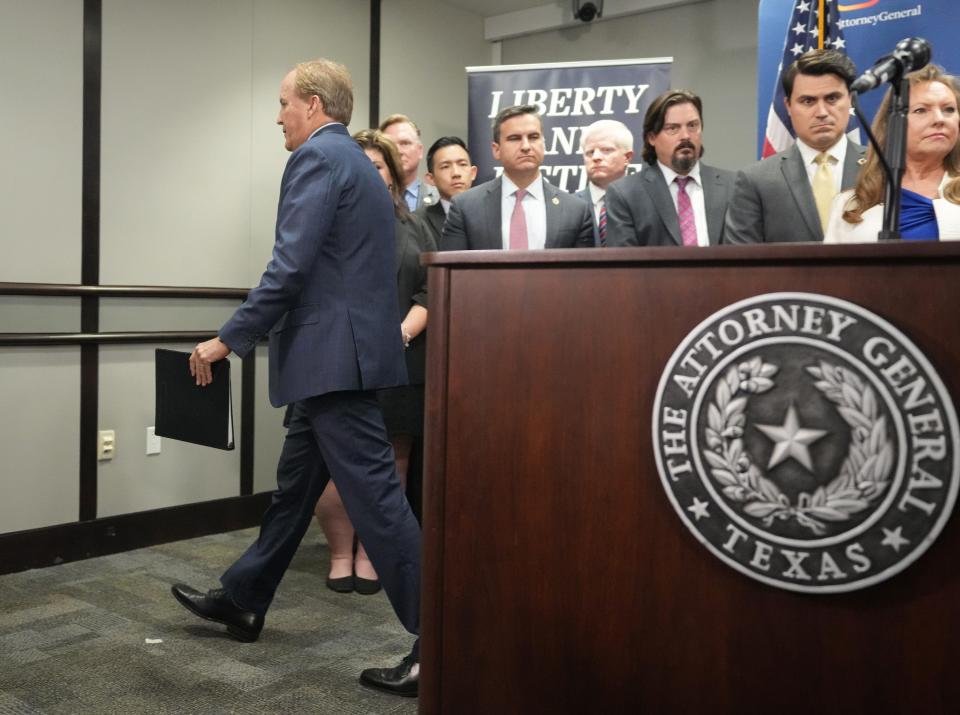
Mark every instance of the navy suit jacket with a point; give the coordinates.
(329, 292)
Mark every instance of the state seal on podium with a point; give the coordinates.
(806, 442)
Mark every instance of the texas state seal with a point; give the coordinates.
(806, 442)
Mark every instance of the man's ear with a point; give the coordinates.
(428, 177)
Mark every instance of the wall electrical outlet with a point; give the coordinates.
(106, 444)
(153, 442)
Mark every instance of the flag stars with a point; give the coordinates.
(894, 539)
(799, 28)
(839, 43)
(797, 49)
(803, 6)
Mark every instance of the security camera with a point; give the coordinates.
(585, 12)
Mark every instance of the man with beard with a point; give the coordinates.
(787, 197)
(676, 200)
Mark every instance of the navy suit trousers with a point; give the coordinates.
(337, 436)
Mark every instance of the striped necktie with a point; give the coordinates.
(602, 223)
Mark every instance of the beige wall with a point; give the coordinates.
(714, 46)
(191, 160)
(41, 94)
(425, 47)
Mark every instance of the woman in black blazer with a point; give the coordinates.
(402, 406)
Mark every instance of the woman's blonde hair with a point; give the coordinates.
(869, 189)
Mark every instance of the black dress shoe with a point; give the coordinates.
(366, 586)
(216, 605)
(403, 679)
(344, 584)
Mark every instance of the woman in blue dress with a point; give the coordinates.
(930, 196)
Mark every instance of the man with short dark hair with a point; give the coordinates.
(676, 200)
(607, 148)
(406, 135)
(329, 295)
(449, 170)
(520, 210)
(787, 197)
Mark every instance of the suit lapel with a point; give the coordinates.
(660, 196)
(436, 216)
(795, 175)
(852, 162)
(493, 235)
(553, 210)
(714, 203)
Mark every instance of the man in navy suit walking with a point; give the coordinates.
(329, 296)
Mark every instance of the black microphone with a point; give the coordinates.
(909, 54)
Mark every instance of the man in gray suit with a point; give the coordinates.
(676, 200)
(520, 210)
(448, 169)
(786, 197)
(406, 135)
(607, 148)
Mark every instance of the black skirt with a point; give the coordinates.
(402, 409)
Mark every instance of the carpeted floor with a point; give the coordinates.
(105, 636)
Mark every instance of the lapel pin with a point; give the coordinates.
(556, 201)
(861, 161)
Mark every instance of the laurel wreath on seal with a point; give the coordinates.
(863, 477)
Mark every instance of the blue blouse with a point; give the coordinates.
(918, 222)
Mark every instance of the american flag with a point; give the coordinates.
(803, 34)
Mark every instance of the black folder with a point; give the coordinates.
(188, 412)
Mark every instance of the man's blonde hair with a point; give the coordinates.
(398, 119)
(330, 81)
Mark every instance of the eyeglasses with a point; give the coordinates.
(672, 130)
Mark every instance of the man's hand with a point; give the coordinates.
(204, 354)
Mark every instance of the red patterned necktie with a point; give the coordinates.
(518, 224)
(602, 224)
(688, 224)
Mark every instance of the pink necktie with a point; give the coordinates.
(688, 224)
(518, 224)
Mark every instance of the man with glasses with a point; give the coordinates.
(676, 200)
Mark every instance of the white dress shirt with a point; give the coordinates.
(597, 200)
(694, 190)
(534, 210)
(446, 206)
(837, 154)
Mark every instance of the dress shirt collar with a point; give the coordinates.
(535, 189)
(596, 193)
(446, 206)
(669, 174)
(838, 151)
(314, 132)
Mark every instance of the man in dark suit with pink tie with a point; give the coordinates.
(329, 296)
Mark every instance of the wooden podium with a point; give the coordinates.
(557, 576)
